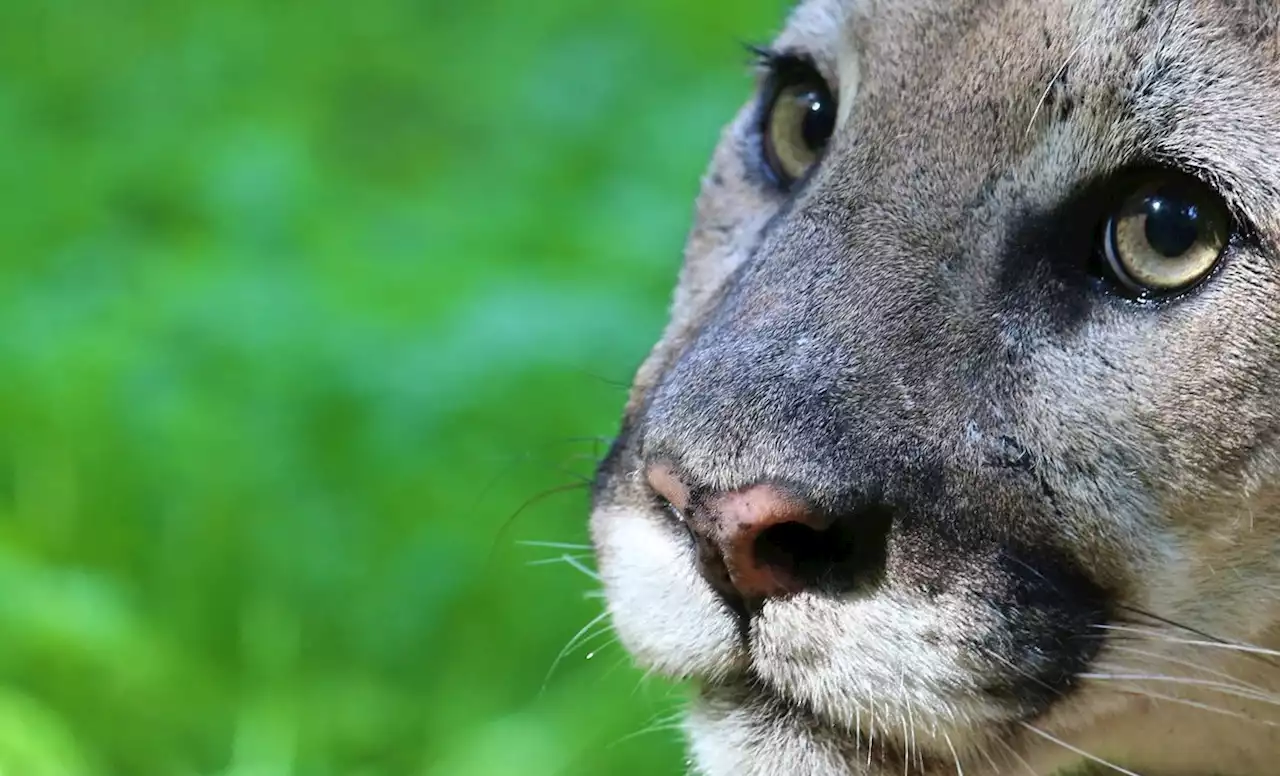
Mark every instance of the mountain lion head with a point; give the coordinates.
(960, 452)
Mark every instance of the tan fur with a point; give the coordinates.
(896, 324)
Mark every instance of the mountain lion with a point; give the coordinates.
(961, 450)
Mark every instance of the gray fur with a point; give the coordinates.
(914, 326)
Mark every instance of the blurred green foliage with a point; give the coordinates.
(301, 301)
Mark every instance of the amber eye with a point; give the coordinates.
(1167, 234)
(797, 126)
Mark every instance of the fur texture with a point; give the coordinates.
(1082, 563)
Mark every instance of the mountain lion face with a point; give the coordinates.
(961, 450)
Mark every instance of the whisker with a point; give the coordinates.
(919, 750)
(1115, 637)
(556, 545)
(513, 461)
(1227, 645)
(590, 637)
(619, 384)
(592, 654)
(1145, 632)
(857, 726)
(580, 566)
(906, 737)
(1196, 705)
(871, 735)
(620, 662)
(1093, 758)
(1209, 684)
(1017, 756)
(1174, 623)
(1194, 666)
(557, 559)
(1048, 89)
(995, 769)
(498, 539)
(577, 639)
(1027, 675)
(644, 677)
(947, 738)
(908, 725)
(657, 728)
(658, 724)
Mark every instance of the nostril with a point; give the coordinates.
(849, 552)
(803, 553)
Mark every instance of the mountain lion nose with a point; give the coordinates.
(764, 541)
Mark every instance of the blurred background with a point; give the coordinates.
(311, 312)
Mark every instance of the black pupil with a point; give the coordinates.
(1173, 223)
(819, 119)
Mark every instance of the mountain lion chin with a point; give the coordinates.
(960, 451)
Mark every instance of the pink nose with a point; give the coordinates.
(752, 541)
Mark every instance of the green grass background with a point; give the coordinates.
(299, 303)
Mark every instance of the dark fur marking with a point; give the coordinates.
(1047, 258)
(1052, 606)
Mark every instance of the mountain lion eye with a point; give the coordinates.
(797, 127)
(1167, 234)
